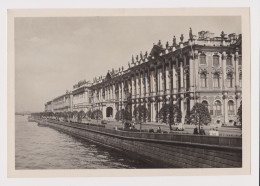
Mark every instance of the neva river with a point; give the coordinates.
(46, 148)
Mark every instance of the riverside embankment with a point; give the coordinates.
(161, 150)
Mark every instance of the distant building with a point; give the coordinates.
(48, 107)
(62, 103)
(204, 69)
(81, 96)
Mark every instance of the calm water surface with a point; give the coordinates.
(46, 148)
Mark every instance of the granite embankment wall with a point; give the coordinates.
(162, 150)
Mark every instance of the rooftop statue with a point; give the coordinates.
(136, 57)
(167, 45)
(141, 56)
(133, 60)
(181, 38)
(159, 43)
(190, 34)
(222, 35)
(174, 41)
(146, 54)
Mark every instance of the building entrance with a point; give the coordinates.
(109, 112)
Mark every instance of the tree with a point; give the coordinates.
(57, 114)
(81, 115)
(123, 115)
(141, 114)
(51, 114)
(75, 114)
(89, 113)
(199, 115)
(69, 115)
(239, 113)
(171, 114)
(97, 114)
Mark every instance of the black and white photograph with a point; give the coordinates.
(132, 92)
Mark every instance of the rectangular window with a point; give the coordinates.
(216, 81)
(203, 81)
(203, 59)
(229, 81)
(229, 60)
(215, 61)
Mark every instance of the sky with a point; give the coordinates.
(52, 54)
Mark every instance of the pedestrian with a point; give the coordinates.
(202, 131)
(195, 131)
(159, 130)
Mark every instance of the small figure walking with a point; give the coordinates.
(159, 130)
(202, 131)
(195, 131)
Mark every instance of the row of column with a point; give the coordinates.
(163, 81)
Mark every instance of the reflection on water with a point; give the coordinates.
(46, 148)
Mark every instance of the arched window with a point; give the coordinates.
(217, 108)
(229, 60)
(230, 107)
(216, 80)
(240, 80)
(205, 103)
(215, 60)
(229, 81)
(203, 80)
(203, 59)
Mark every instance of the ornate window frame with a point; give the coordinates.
(231, 60)
(217, 71)
(205, 72)
(215, 108)
(216, 55)
(199, 57)
(230, 73)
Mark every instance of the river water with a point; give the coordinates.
(38, 147)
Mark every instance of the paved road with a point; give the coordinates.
(223, 131)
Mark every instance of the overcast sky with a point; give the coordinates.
(52, 54)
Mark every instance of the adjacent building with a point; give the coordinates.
(204, 69)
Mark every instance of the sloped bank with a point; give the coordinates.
(162, 150)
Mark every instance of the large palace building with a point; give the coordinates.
(205, 69)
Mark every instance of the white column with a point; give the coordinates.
(196, 69)
(174, 79)
(153, 113)
(167, 79)
(224, 57)
(236, 69)
(141, 84)
(225, 111)
(159, 81)
(191, 76)
(147, 83)
(119, 92)
(152, 81)
(136, 86)
(123, 90)
(114, 92)
(133, 86)
(181, 74)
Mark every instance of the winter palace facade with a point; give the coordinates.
(204, 69)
